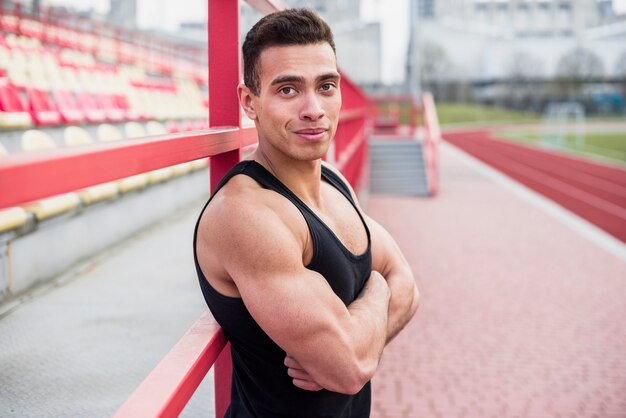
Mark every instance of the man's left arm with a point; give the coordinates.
(388, 260)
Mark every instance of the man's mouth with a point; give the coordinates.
(314, 134)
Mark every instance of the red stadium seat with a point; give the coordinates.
(172, 127)
(41, 108)
(68, 107)
(113, 112)
(94, 113)
(13, 110)
(122, 102)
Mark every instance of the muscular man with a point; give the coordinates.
(307, 288)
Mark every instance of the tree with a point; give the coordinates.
(576, 67)
(581, 64)
(435, 67)
(522, 73)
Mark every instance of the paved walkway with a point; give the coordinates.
(522, 310)
(522, 314)
(79, 348)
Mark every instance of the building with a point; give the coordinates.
(123, 12)
(358, 43)
(496, 39)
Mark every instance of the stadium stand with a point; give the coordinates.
(70, 81)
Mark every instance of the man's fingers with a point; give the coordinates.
(298, 374)
(307, 385)
(292, 363)
(301, 378)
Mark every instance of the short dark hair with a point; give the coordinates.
(287, 27)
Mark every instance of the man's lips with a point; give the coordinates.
(313, 134)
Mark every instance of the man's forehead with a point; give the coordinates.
(306, 61)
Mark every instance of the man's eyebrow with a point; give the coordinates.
(328, 76)
(299, 79)
(287, 79)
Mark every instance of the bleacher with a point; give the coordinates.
(68, 82)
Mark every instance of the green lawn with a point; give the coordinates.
(606, 145)
(450, 113)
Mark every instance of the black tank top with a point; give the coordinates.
(260, 384)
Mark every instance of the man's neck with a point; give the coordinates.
(301, 177)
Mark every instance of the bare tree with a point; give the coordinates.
(522, 71)
(435, 67)
(581, 64)
(575, 68)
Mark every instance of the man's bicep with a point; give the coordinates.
(289, 302)
(386, 254)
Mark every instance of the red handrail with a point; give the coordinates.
(432, 136)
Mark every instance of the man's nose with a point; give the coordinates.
(312, 108)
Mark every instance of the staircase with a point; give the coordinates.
(397, 167)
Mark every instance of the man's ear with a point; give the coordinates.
(246, 99)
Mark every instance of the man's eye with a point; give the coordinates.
(327, 87)
(287, 90)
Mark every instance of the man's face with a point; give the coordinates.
(297, 109)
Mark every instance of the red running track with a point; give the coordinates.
(592, 190)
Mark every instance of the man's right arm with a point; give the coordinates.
(338, 346)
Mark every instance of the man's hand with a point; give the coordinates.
(300, 376)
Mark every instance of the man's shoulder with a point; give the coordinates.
(242, 206)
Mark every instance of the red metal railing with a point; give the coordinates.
(432, 136)
(31, 176)
(394, 112)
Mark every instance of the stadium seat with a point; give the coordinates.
(122, 102)
(154, 127)
(12, 218)
(13, 111)
(68, 107)
(113, 113)
(41, 109)
(108, 132)
(35, 140)
(91, 108)
(73, 136)
(134, 130)
(32, 28)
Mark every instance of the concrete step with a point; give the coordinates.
(397, 167)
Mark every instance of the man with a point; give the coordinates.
(307, 288)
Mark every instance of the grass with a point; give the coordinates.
(605, 145)
(451, 113)
(611, 146)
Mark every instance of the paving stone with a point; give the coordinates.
(520, 315)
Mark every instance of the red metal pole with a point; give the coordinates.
(224, 110)
(224, 76)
